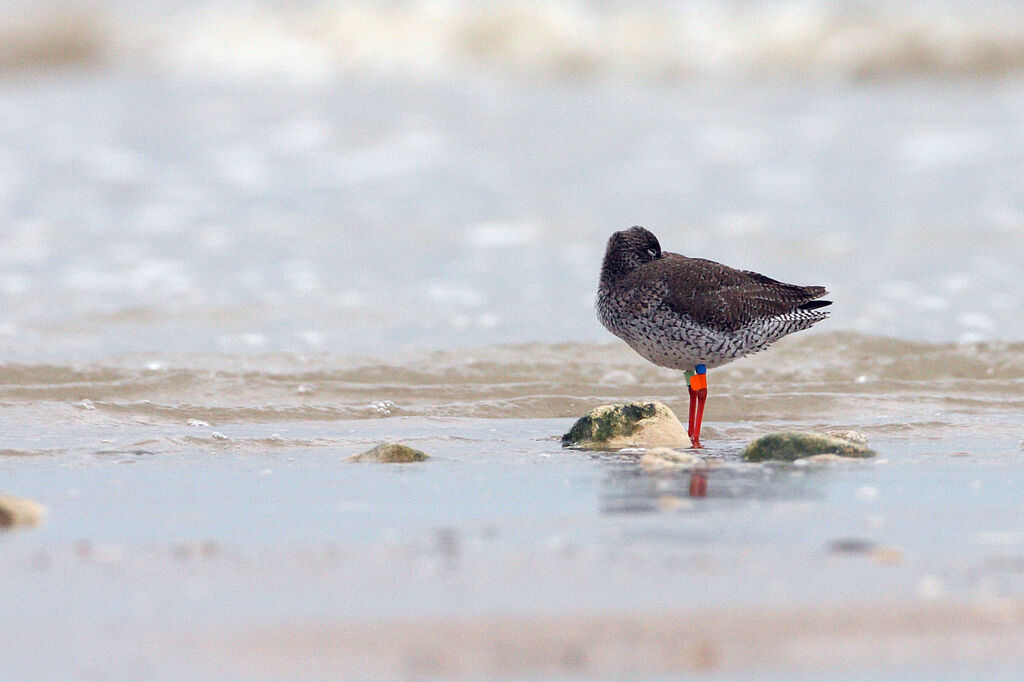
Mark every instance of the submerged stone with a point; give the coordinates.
(18, 511)
(787, 446)
(624, 424)
(391, 453)
(667, 458)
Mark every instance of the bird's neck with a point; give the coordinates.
(614, 267)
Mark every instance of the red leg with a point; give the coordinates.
(702, 396)
(693, 410)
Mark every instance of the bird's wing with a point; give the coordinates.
(725, 298)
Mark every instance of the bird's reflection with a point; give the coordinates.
(698, 484)
(629, 488)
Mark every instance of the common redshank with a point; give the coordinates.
(693, 314)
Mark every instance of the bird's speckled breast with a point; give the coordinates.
(675, 341)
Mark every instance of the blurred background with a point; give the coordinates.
(371, 177)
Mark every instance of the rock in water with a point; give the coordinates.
(17, 511)
(624, 424)
(392, 453)
(855, 437)
(787, 446)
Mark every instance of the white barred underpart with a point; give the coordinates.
(677, 342)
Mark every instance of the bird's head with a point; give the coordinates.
(629, 249)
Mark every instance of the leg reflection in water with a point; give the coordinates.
(698, 484)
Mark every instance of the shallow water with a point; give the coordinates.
(255, 553)
(879, 385)
(209, 508)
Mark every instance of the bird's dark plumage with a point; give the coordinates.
(679, 312)
(721, 297)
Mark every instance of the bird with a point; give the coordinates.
(693, 314)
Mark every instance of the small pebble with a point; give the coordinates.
(788, 446)
(851, 546)
(20, 512)
(887, 556)
(392, 453)
(99, 554)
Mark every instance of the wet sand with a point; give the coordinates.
(913, 639)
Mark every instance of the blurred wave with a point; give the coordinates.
(823, 378)
(654, 41)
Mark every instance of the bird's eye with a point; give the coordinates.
(652, 253)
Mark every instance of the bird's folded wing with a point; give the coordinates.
(720, 297)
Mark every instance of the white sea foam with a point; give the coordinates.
(653, 40)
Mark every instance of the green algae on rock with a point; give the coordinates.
(18, 511)
(624, 424)
(787, 446)
(391, 453)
